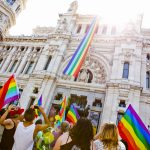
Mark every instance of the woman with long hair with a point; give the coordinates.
(78, 138)
(108, 138)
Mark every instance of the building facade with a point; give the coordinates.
(115, 73)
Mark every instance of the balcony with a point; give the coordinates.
(96, 108)
(57, 102)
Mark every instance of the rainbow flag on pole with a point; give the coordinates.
(62, 111)
(72, 115)
(39, 103)
(133, 131)
(9, 92)
(77, 59)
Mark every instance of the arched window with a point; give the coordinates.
(147, 80)
(125, 70)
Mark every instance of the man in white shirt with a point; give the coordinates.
(26, 131)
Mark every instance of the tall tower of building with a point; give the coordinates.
(9, 9)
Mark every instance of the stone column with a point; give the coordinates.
(110, 106)
(8, 59)
(24, 59)
(56, 61)
(41, 62)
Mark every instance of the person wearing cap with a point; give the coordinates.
(9, 120)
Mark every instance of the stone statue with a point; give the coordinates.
(83, 76)
(73, 7)
(62, 26)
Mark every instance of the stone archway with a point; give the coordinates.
(92, 71)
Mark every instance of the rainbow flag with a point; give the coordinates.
(39, 103)
(77, 59)
(72, 115)
(133, 131)
(62, 111)
(9, 92)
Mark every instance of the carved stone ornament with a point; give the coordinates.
(62, 26)
(92, 70)
(73, 7)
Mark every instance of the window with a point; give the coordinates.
(122, 103)
(1, 60)
(119, 116)
(147, 80)
(17, 9)
(11, 2)
(79, 28)
(148, 57)
(113, 30)
(30, 67)
(97, 103)
(32, 99)
(8, 48)
(36, 90)
(38, 49)
(22, 48)
(87, 28)
(104, 30)
(125, 70)
(48, 62)
(20, 91)
(13, 66)
(59, 96)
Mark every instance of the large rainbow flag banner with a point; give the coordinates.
(72, 115)
(9, 92)
(77, 59)
(133, 131)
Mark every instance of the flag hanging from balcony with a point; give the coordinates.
(9, 92)
(133, 131)
(78, 57)
(39, 103)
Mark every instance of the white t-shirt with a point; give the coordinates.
(99, 146)
(23, 137)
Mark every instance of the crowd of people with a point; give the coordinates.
(20, 130)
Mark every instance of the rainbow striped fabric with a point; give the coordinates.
(133, 131)
(62, 111)
(9, 92)
(72, 115)
(39, 103)
(77, 59)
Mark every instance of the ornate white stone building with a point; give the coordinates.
(116, 71)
